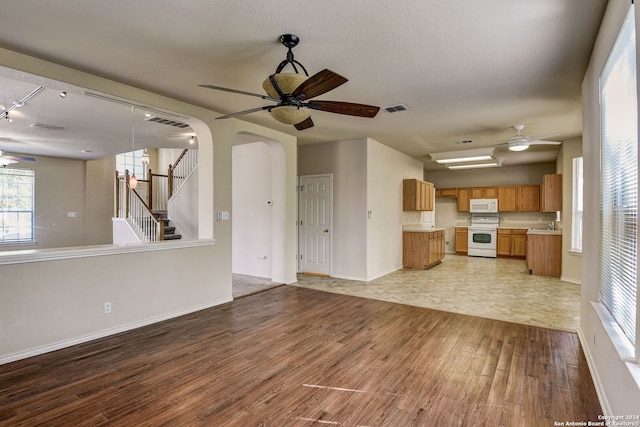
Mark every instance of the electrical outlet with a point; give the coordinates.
(107, 307)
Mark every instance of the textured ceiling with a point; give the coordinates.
(468, 70)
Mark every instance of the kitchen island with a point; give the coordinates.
(422, 247)
(544, 252)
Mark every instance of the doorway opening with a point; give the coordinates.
(258, 199)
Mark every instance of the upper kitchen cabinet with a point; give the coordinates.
(464, 194)
(552, 193)
(528, 198)
(417, 195)
(447, 193)
(519, 198)
(484, 192)
(508, 198)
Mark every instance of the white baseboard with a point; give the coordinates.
(105, 333)
(597, 383)
(571, 280)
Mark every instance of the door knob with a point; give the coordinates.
(326, 230)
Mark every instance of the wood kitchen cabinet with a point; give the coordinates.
(508, 198)
(552, 192)
(448, 193)
(519, 243)
(417, 195)
(544, 254)
(529, 198)
(422, 249)
(464, 194)
(462, 240)
(477, 193)
(484, 192)
(490, 192)
(503, 244)
(512, 242)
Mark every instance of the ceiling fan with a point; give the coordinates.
(292, 93)
(520, 142)
(6, 160)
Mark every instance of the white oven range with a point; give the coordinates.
(483, 235)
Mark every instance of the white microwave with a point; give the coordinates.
(483, 205)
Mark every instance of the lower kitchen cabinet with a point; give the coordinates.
(544, 254)
(422, 249)
(512, 242)
(462, 240)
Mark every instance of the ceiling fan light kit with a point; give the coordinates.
(292, 93)
(520, 142)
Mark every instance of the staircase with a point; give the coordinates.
(169, 230)
(144, 206)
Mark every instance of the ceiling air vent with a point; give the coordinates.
(395, 108)
(167, 122)
(45, 126)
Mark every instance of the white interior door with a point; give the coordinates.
(315, 224)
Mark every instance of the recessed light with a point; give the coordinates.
(63, 94)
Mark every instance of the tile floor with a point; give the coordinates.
(244, 285)
(500, 289)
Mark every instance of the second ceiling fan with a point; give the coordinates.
(521, 142)
(292, 93)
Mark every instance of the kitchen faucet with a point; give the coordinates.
(552, 225)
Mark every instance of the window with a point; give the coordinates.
(619, 181)
(16, 205)
(131, 161)
(576, 225)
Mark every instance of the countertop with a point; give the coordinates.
(419, 228)
(530, 229)
(547, 232)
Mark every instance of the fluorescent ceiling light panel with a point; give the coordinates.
(495, 164)
(463, 156)
(464, 159)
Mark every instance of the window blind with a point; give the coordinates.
(619, 185)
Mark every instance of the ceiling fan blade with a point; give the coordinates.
(20, 158)
(241, 113)
(539, 137)
(319, 83)
(348, 108)
(545, 143)
(305, 124)
(241, 92)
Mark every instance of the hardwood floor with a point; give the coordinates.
(291, 356)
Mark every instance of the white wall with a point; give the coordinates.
(252, 216)
(182, 207)
(386, 168)
(48, 304)
(99, 200)
(617, 382)
(366, 176)
(347, 160)
(571, 262)
(59, 189)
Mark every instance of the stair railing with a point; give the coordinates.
(131, 205)
(158, 191)
(137, 205)
(181, 169)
